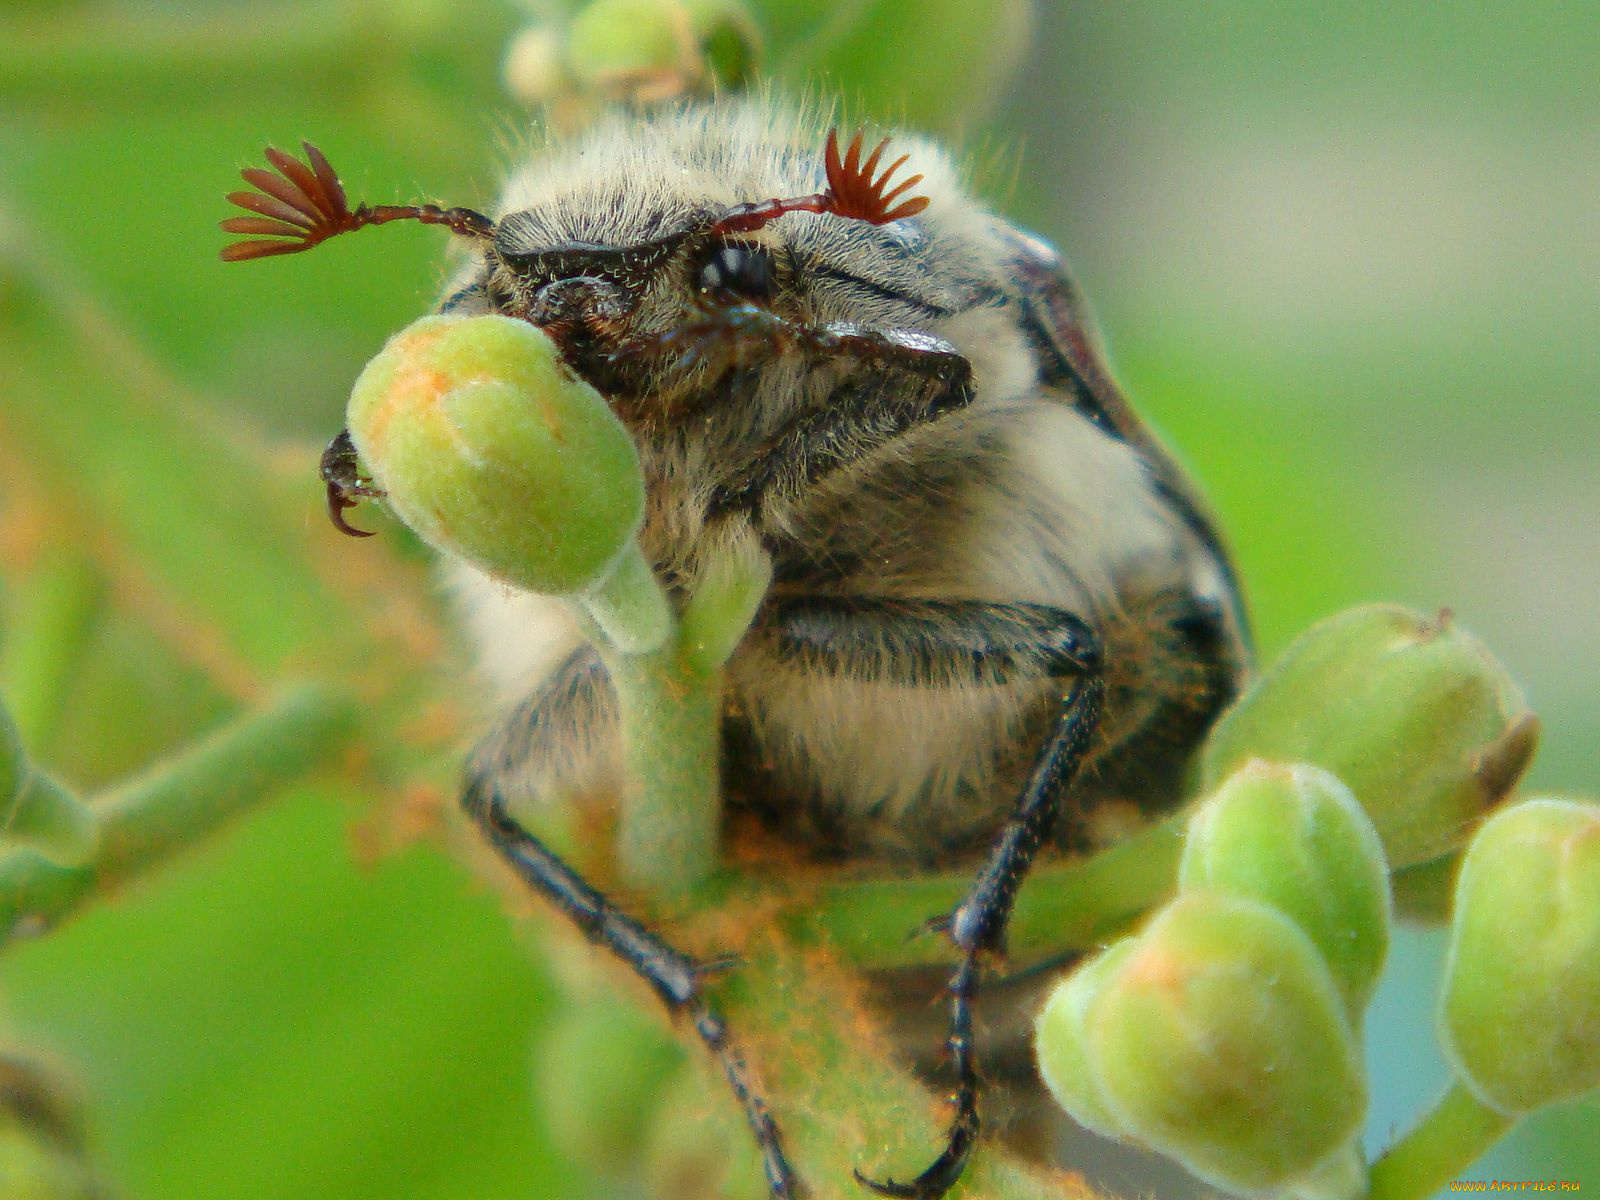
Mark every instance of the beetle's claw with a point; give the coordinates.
(338, 501)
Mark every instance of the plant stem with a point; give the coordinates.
(667, 833)
(179, 801)
(1066, 905)
(36, 812)
(45, 817)
(843, 1100)
(630, 606)
(14, 769)
(668, 676)
(671, 721)
(1449, 1139)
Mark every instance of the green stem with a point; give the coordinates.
(179, 801)
(46, 817)
(667, 833)
(38, 813)
(14, 768)
(629, 605)
(1067, 905)
(55, 617)
(671, 722)
(1448, 1140)
(844, 1099)
(668, 676)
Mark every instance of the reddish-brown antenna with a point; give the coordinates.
(304, 205)
(852, 192)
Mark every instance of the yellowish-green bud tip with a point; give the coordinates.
(492, 451)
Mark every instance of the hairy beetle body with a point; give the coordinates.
(1015, 477)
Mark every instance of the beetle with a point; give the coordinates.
(1000, 616)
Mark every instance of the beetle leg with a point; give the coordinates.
(978, 926)
(911, 642)
(672, 974)
(347, 486)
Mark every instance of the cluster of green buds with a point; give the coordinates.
(634, 50)
(492, 451)
(1519, 1015)
(1226, 1033)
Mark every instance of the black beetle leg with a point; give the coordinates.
(672, 974)
(347, 486)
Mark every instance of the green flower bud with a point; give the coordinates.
(729, 39)
(1521, 1008)
(1221, 1041)
(492, 450)
(599, 1071)
(1413, 715)
(45, 817)
(1295, 838)
(661, 49)
(532, 68)
(1060, 1041)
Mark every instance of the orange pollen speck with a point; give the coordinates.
(1155, 969)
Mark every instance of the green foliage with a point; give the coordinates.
(166, 562)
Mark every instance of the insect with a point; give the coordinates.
(999, 615)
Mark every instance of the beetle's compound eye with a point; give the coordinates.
(737, 270)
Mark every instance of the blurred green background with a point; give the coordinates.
(1346, 257)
